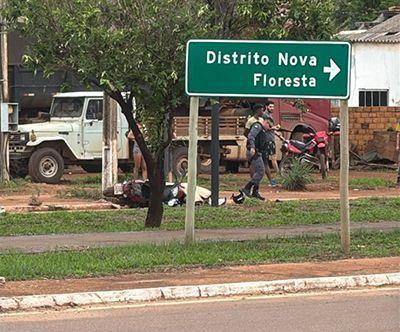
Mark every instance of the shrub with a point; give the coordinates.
(297, 177)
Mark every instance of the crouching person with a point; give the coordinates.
(257, 148)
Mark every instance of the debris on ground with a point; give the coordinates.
(380, 152)
(35, 200)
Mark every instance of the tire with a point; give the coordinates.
(92, 168)
(323, 168)
(179, 160)
(46, 165)
(286, 164)
(204, 165)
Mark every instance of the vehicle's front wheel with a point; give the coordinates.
(46, 165)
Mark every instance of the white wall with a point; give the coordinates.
(375, 66)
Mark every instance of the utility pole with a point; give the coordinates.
(110, 146)
(4, 175)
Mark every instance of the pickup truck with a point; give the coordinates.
(72, 136)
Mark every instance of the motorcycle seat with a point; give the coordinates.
(299, 144)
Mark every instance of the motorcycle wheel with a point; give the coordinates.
(286, 164)
(323, 168)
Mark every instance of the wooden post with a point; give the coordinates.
(344, 177)
(192, 170)
(110, 147)
(4, 162)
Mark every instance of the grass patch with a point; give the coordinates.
(370, 183)
(251, 214)
(109, 261)
(94, 179)
(83, 180)
(228, 182)
(14, 185)
(81, 193)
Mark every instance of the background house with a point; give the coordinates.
(375, 75)
(375, 85)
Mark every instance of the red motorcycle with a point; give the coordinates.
(314, 151)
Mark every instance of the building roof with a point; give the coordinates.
(385, 32)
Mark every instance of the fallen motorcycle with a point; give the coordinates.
(137, 194)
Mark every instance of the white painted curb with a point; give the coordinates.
(202, 291)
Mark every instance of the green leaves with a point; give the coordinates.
(348, 13)
(297, 176)
(131, 45)
(139, 45)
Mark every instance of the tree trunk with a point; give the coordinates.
(155, 166)
(157, 187)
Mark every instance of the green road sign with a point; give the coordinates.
(268, 69)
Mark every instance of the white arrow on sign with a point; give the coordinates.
(333, 70)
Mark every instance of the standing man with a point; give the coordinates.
(258, 116)
(138, 159)
(256, 150)
(258, 111)
(268, 115)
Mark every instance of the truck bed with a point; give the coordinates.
(230, 127)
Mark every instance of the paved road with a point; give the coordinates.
(43, 243)
(368, 310)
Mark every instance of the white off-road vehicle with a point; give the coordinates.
(72, 136)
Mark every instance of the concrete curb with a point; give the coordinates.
(201, 291)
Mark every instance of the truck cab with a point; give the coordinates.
(71, 136)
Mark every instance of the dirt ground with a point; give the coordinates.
(18, 199)
(201, 276)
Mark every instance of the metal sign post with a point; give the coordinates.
(192, 170)
(289, 69)
(344, 177)
(215, 155)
